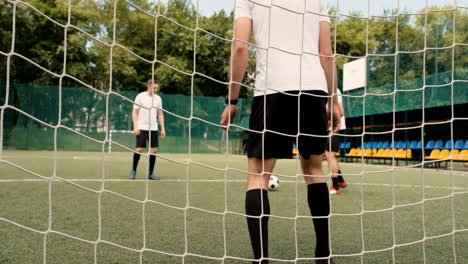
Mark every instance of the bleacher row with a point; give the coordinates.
(439, 150)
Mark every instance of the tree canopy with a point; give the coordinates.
(123, 46)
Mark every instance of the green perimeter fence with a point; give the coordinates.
(189, 123)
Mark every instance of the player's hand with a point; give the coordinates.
(228, 115)
(136, 131)
(163, 133)
(333, 115)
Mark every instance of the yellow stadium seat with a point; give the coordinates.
(379, 153)
(294, 151)
(463, 155)
(434, 155)
(400, 154)
(444, 154)
(352, 152)
(389, 153)
(368, 153)
(409, 154)
(454, 153)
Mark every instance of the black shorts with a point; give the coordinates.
(335, 144)
(335, 141)
(282, 114)
(144, 137)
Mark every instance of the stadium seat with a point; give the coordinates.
(379, 145)
(466, 145)
(400, 154)
(386, 145)
(342, 145)
(379, 153)
(409, 154)
(374, 144)
(368, 153)
(459, 144)
(348, 145)
(463, 156)
(444, 154)
(352, 152)
(448, 144)
(430, 144)
(413, 145)
(439, 144)
(454, 154)
(419, 144)
(389, 153)
(399, 144)
(406, 144)
(434, 155)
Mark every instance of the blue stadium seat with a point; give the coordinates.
(419, 144)
(342, 145)
(379, 145)
(294, 145)
(386, 145)
(459, 144)
(466, 145)
(448, 144)
(439, 144)
(413, 145)
(405, 144)
(374, 145)
(348, 145)
(430, 144)
(399, 145)
(368, 145)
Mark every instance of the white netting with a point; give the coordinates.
(453, 190)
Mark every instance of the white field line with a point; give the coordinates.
(222, 181)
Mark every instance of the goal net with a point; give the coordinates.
(70, 71)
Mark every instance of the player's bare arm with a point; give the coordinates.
(239, 61)
(328, 64)
(136, 130)
(161, 122)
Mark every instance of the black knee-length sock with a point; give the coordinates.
(136, 158)
(319, 204)
(152, 162)
(258, 227)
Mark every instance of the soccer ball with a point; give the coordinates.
(274, 183)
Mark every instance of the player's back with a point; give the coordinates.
(286, 36)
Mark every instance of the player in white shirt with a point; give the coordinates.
(333, 165)
(147, 107)
(292, 82)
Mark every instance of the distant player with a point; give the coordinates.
(292, 83)
(333, 165)
(147, 106)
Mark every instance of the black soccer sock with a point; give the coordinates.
(319, 204)
(253, 207)
(152, 162)
(136, 158)
(335, 183)
(340, 177)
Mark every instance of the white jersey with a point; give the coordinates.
(287, 43)
(148, 107)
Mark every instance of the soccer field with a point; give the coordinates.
(92, 213)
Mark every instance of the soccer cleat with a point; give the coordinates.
(153, 177)
(133, 175)
(343, 184)
(334, 191)
(325, 261)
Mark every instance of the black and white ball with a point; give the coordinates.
(274, 183)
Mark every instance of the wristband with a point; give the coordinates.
(232, 101)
